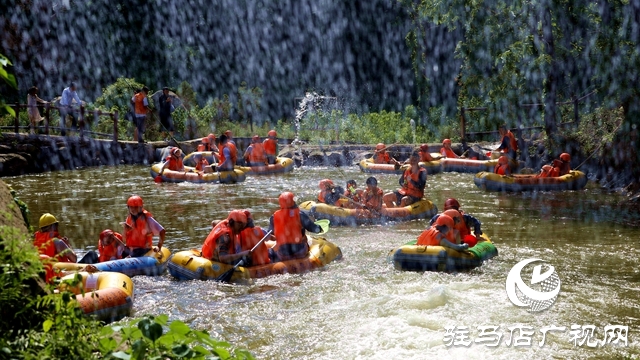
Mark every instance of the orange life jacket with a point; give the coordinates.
(209, 248)
(43, 241)
(355, 196)
(201, 164)
(563, 169)
(201, 147)
(430, 237)
(175, 164)
(249, 237)
(270, 146)
(425, 157)
(448, 153)
(257, 154)
(373, 200)
(502, 170)
(138, 234)
(409, 189)
(287, 227)
(513, 144)
(138, 100)
(381, 158)
(234, 152)
(109, 252)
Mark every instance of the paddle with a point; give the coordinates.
(324, 224)
(226, 276)
(361, 205)
(386, 147)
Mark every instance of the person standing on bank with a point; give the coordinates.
(141, 105)
(165, 110)
(32, 108)
(66, 101)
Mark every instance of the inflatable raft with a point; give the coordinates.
(188, 160)
(368, 166)
(106, 295)
(152, 264)
(282, 165)
(423, 209)
(574, 180)
(473, 166)
(189, 265)
(412, 257)
(190, 175)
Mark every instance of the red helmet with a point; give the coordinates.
(455, 215)
(503, 160)
(424, 148)
(256, 138)
(326, 184)
(451, 203)
(237, 216)
(176, 152)
(272, 133)
(105, 234)
(444, 220)
(446, 141)
(286, 200)
(565, 157)
(205, 140)
(134, 201)
(380, 146)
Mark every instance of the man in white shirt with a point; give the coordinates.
(66, 101)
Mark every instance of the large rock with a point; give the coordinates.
(13, 164)
(10, 214)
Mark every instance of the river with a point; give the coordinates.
(361, 307)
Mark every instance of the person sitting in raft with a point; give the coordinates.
(220, 244)
(173, 161)
(329, 193)
(229, 136)
(49, 242)
(547, 171)
(508, 144)
(202, 165)
(412, 183)
(232, 145)
(440, 234)
(562, 165)
(255, 154)
(425, 155)
(248, 238)
(468, 222)
(288, 225)
(227, 160)
(446, 151)
(372, 196)
(381, 156)
(502, 168)
(111, 247)
(271, 146)
(139, 229)
(352, 192)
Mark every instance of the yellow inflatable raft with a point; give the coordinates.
(189, 265)
(282, 165)
(105, 295)
(190, 175)
(412, 257)
(574, 180)
(423, 209)
(151, 264)
(369, 166)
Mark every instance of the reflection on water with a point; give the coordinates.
(361, 307)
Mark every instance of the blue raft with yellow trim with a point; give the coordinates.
(151, 264)
(574, 180)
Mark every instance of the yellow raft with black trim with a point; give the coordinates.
(190, 265)
(412, 257)
(282, 165)
(190, 175)
(151, 264)
(369, 166)
(574, 180)
(423, 209)
(106, 295)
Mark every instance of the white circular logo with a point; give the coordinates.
(545, 293)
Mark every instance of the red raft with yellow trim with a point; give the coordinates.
(369, 166)
(190, 265)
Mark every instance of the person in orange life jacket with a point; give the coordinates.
(173, 161)
(380, 156)
(248, 238)
(441, 234)
(139, 229)
(425, 155)
(502, 168)
(508, 143)
(229, 135)
(288, 225)
(271, 146)
(447, 151)
(220, 244)
(329, 193)
(547, 171)
(412, 183)
(49, 242)
(141, 106)
(202, 165)
(226, 161)
(352, 191)
(255, 154)
(563, 164)
(372, 196)
(111, 247)
(468, 222)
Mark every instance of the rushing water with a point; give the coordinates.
(361, 307)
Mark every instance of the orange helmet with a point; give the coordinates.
(424, 148)
(446, 141)
(272, 133)
(565, 157)
(134, 200)
(380, 146)
(455, 215)
(547, 168)
(105, 234)
(237, 216)
(205, 140)
(451, 203)
(228, 133)
(444, 220)
(212, 138)
(256, 138)
(326, 184)
(503, 160)
(286, 200)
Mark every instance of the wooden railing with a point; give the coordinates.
(81, 119)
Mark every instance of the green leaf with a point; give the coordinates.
(201, 350)
(181, 350)
(46, 326)
(139, 349)
(121, 355)
(162, 319)
(107, 344)
(179, 327)
(150, 330)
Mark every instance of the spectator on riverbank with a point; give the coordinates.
(69, 94)
(32, 108)
(141, 105)
(164, 111)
